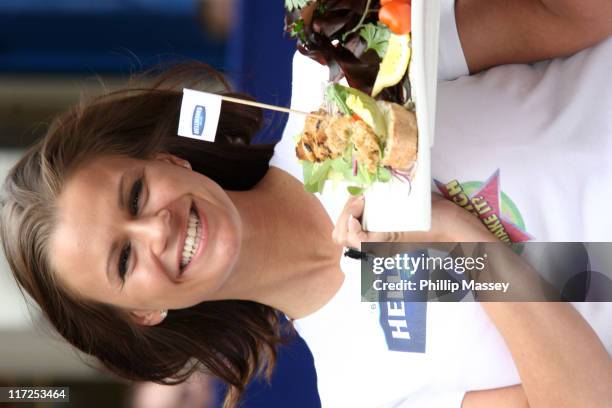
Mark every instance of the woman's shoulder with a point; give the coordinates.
(286, 189)
(279, 177)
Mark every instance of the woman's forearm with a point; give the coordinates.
(496, 32)
(560, 359)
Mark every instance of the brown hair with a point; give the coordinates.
(232, 340)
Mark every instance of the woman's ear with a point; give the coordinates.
(149, 318)
(172, 159)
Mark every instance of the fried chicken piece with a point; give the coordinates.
(304, 151)
(324, 137)
(313, 142)
(339, 129)
(367, 149)
(328, 136)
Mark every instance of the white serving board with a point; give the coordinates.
(389, 206)
(397, 206)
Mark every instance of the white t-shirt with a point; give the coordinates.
(542, 135)
(533, 142)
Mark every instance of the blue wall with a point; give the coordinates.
(259, 58)
(100, 37)
(125, 36)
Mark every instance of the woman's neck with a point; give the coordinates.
(288, 259)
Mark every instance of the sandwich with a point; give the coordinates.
(366, 132)
(358, 140)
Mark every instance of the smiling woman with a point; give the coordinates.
(109, 221)
(139, 234)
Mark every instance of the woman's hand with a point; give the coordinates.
(449, 223)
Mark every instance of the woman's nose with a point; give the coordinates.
(152, 230)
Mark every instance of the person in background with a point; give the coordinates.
(217, 16)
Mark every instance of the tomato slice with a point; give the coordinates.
(396, 15)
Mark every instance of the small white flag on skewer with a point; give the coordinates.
(200, 112)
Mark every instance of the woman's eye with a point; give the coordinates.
(135, 194)
(124, 257)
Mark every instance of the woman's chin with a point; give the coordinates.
(210, 271)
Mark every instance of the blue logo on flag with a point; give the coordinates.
(198, 120)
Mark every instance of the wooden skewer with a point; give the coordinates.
(266, 106)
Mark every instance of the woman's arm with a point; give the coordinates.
(507, 397)
(560, 359)
(496, 32)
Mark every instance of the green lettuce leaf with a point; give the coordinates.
(355, 190)
(315, 175)
(376, 37)
(341, 169)
(383, 175)
(337, 94)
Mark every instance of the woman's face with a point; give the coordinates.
(144, 235)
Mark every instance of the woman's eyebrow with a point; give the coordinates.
(121, 201)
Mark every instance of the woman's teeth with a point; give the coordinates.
(192, 239)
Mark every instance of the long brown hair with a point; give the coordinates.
(232, 340)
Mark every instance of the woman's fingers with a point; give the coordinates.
(450, 223)
(356, 234)
(353, 208)
(349, 231)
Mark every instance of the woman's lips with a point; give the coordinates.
(202, 240)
